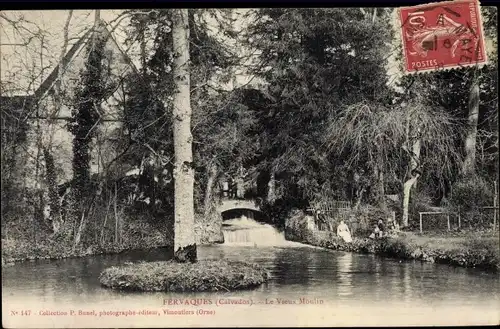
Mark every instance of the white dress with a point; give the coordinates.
(343, 232)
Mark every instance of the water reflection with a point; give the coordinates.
(344, 274)
(296, 272)
(292, 268)
(407, 292)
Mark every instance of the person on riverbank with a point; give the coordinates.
(344, 232)
(381, 228)
(376, 233)
(393, 227)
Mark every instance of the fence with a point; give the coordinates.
(446, 215)
(439, 218)
(329, 214)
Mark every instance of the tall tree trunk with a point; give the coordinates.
(86, 119)
(207, 202)
(184, 233)
(210, 227)
(381, 188)
(379, 176)
(359, 197)
(54, 202)
(379, 185)
(97, 18)
(50, 170)
(414, 174)
(469, 165)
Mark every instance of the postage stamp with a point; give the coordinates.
(442, 35)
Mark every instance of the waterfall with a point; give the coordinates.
(247, 231)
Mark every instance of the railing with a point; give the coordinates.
(329, 214)
(457, 218)
(421, 213)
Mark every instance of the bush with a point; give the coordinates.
(208, 229)
(469, 196)
(296, 226)
(205, 275)
(397, 248)
(481, 253)
(366, 217)
(471, 193)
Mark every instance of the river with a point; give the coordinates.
(308, 286)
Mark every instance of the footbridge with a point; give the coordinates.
(230, 204)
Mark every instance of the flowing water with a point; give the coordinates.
(308, 286)
(246, 231)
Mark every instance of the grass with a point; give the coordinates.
(450, 241)
(207, 275)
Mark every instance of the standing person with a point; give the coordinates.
(344, 232)
(321, 221)
(240, 188)
(381, 228)
(240, 183)
(231, 187)
(225, 189)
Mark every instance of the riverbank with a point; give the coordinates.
(467, 250)
(21, 244)
(19, 250)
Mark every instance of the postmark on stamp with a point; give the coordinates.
(442, 35)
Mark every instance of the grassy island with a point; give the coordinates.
(206, 275)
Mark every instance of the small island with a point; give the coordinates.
(204, 275)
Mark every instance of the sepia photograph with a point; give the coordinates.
(250, 167)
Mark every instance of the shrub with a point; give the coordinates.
(296, 226)
(482, 253)
(469, 196)
(471, 193)
(397, 248)
(366, 217)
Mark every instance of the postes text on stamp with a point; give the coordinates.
(442, 35)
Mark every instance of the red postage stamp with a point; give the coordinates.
(442, 35)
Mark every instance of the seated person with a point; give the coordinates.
(376, 233)
(344, 232)
(393, 227)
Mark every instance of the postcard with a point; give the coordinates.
(250, 167)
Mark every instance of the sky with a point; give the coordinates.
(20, 65)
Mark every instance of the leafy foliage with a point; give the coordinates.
(221, 122)
(471, 194)
(306, 60)
(86, 113)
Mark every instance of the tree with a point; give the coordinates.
(85, 118)
(306, 59)
(50, 169)
(23, 39)
(217, 117)
(184, 238)
(469, 164)
(404, 139)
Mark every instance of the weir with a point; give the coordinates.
(245, 230)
